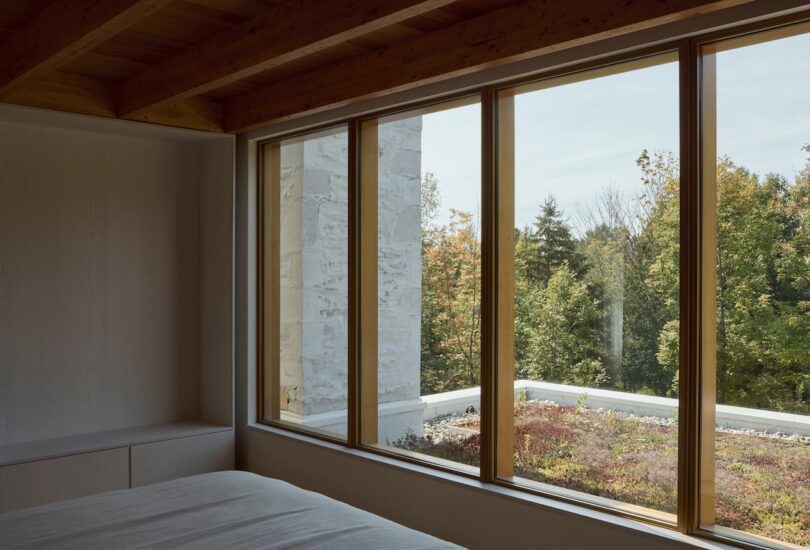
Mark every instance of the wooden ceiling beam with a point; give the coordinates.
(60, 91)
(62, 31)
(526, 29)
(291, 31)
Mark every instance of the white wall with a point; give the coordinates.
(101, 315)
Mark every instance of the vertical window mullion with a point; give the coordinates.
(707, 376)
(367, 265)
(503, 289)
(270, 355)
(690, 288)
(354, 248)
(489, 278)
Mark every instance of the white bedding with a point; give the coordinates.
(220, 510)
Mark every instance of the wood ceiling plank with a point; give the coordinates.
(526, 29)
(245, 8)
(295, 29)
(15, 14)
(102, 66)
(63, 31)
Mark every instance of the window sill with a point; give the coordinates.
(513, 495)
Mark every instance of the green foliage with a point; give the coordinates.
(550, 244)
(603, 309)
(763, 357)
(563, 348)
(761, 482)
(430, 199)
(451, 313)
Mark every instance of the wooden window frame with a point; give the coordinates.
(698, 515)
(268, 263)
(504, 115)
(366, 273)
(697, 381)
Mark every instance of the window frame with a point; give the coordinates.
(503, 368)
(267, 337)
(699, 513)
(367, 270)
(695, 482)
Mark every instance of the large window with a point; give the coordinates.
(304, 291)
(424, 168)
(592, 285)
(756, 177)
(592, 162)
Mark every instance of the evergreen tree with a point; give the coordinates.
(570, 296)
(562, 349)
(553, 244)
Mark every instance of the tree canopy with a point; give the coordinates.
(597, 304)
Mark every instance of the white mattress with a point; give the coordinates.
(220, 510)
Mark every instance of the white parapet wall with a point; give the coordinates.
(456, 402)
(397, 418)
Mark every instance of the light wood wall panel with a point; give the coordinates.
(99, 285)
(46, 481)
(187, 456)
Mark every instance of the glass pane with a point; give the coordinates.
(760, 175)
(429, 282)
(596, 272)
(314, 281)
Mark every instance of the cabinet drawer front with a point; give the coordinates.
(45, 481)
(165, 460)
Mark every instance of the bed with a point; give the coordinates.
(218, 510)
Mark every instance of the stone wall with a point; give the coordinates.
(399, 252)
(314, 277)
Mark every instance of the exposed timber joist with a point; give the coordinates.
(72, 93)
(62, 31)
(293, 30)
(513, 33)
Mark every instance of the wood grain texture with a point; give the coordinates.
(526, 29)
(99, 285)
(505, 314)
(63, 31)
(708, 290)
(165, 460)
(274, 397)
(283, 35)
(73, 93)
(46, 481)
(368, 322)
(100, 441)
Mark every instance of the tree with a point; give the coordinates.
(604, 248)
(651, 353)
(562, 347)
(451, 313)
(762, 315)
(429, 198)
(553, 244)
(571, 295)
(622, 247)
(528, 298)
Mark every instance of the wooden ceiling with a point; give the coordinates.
(232, 65)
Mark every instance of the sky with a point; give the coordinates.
(575, 140)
